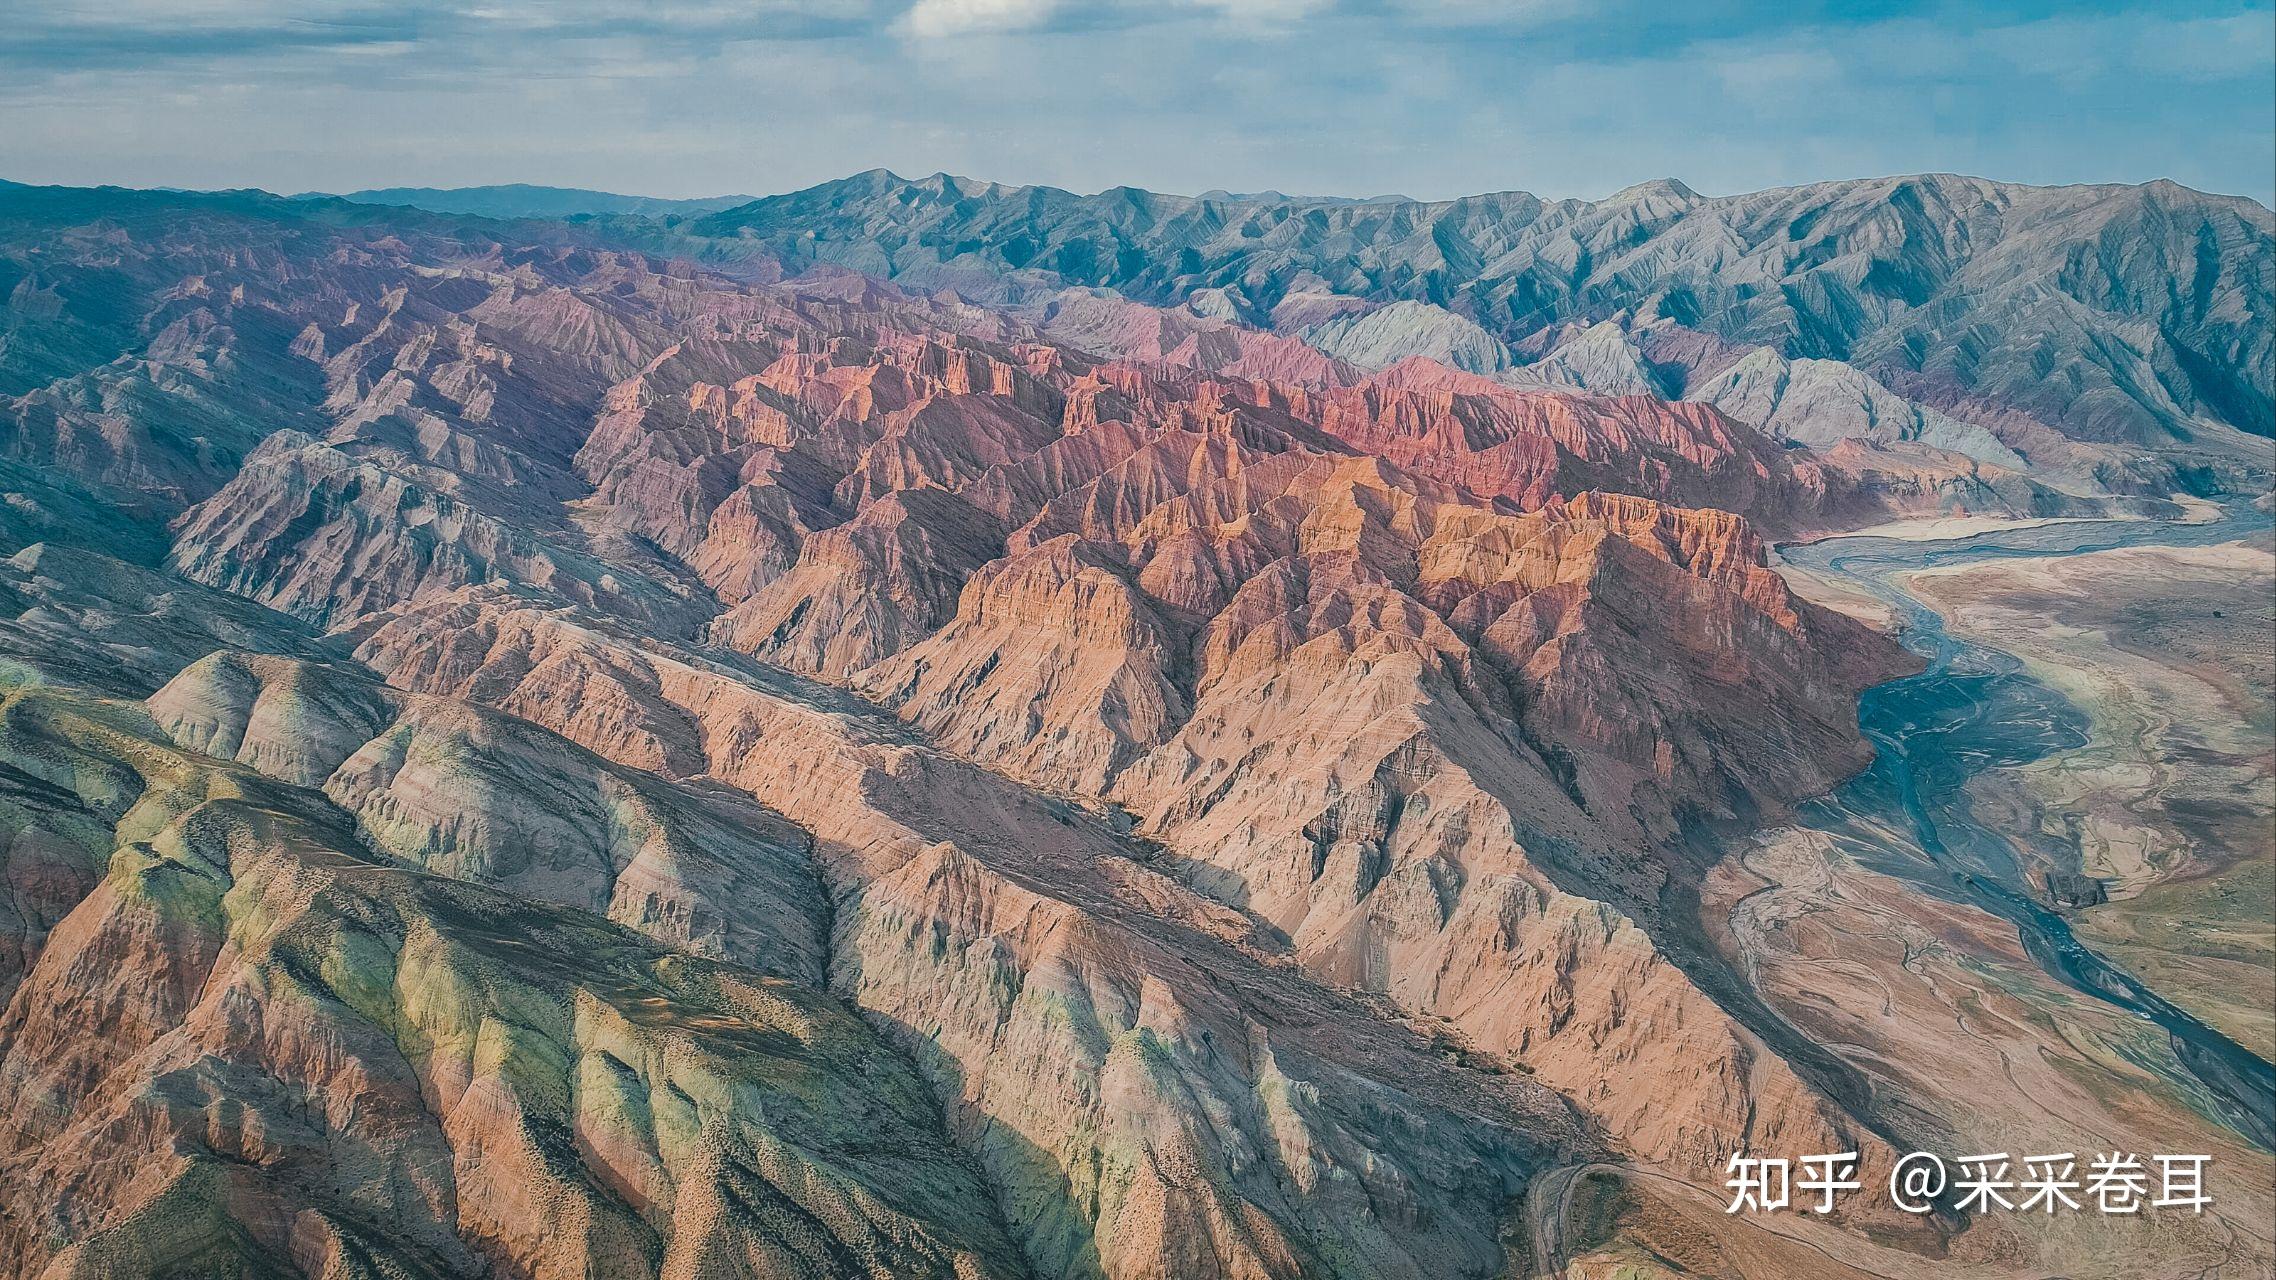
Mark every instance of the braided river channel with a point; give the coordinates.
(1975, 708)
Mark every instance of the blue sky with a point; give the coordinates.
(1426, 97)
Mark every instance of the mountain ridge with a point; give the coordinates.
(606, 766)
(1667, 186)
(525, 200)
(1891, 274)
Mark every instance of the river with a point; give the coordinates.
(1974, 708)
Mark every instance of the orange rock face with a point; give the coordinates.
(657, 775)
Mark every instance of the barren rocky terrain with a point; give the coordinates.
(597, 749)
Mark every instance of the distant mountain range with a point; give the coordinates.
(518, 200)
(2129, 316)
(2122, 314)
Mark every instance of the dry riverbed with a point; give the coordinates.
(2171, 653)
(1967, 1041)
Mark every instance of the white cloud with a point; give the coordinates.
(1263, 12)
(934, 18)
(1506, 15)
(2081, 48)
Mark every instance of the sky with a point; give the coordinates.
(1429, 98)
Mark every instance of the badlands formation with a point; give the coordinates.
(624, 747)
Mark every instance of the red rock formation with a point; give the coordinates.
(1410, 688)
(253, 1046)
(1140, 1079)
